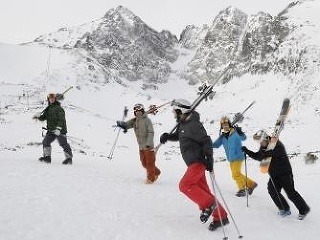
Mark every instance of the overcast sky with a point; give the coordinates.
(25, 20)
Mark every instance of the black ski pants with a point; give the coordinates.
(62, 140)
(285, 182)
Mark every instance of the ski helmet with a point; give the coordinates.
(261, 135)
(138, 107)
(181, 104)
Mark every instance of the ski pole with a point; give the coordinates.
(225, 204)
(246, 173)
(47, 73)
(277, 192)
(125, 113)
(217, 206)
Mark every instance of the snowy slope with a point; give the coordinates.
(101, 199)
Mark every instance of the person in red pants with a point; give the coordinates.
(196, 150)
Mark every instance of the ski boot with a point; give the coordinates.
(46, 159)
(67, 161)
(284, 213)
(218, 223)
(205, 214)
(241, 193)
(148, 181)
(303, 215)
(250, 190)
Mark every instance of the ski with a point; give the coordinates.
(60, 96)
(264, 164)
(238, 117)
(154, 109)
(204, 92)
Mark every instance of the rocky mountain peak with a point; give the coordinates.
(125, 47)
(122, 14)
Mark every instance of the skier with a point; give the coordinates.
(196, 150)
(231, 138)
(56, 129)
(280, 172)
(144, 132)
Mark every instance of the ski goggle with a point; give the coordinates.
(138, 108)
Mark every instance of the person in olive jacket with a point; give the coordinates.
(56, 129)
(280, 172)
(144, 132)
(197, 153)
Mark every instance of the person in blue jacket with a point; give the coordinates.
(231, 138)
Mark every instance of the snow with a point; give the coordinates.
(98, 198)
(68, 37)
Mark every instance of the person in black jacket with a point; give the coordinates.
(196, 150)
(56, 129)
(280, 172)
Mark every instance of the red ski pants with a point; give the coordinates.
(194, 185)
(148, 159)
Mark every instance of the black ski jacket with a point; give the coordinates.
(195, 144)
(280, 164)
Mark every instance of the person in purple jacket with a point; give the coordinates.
(231, 138)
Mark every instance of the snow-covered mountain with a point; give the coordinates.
(259, 43)
(122, 45)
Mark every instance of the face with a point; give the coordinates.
(225, 126)
(264, 143)
(176, 113)
(52, 100)
(138, 112)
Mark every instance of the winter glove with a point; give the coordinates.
(208, 159)
(122, 125)
(209, 162)
(244, 149)
(37, 115)
(164, 138)
(57, 131)
(239, 130)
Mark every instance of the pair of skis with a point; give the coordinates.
(278, 127)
